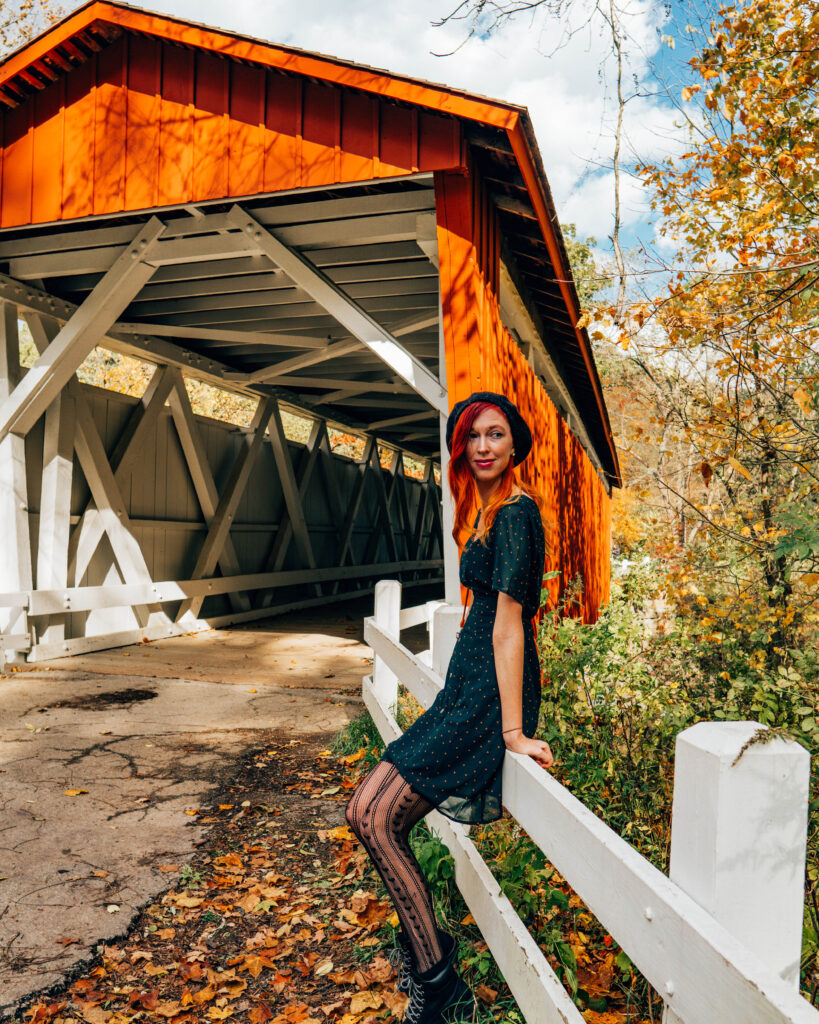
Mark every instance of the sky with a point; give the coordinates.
(556, 68)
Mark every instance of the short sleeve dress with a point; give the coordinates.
(453, 753)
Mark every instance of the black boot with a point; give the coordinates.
(402, 960)
(438, 996)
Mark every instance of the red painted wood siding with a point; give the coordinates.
(481, 355)
(147, 123)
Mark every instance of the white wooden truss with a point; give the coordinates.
(329, 307)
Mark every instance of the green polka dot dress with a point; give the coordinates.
(453, 754)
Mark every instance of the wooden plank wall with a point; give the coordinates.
(481, 355)
(167, 520)
(147, 123)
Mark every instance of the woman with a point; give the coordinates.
(451, 758)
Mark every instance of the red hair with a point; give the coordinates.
(464, 490)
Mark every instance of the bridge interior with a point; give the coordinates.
(326, 305)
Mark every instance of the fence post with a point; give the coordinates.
(387, 614)
(445, 620)
(739, 837)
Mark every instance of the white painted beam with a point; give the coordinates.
(111, 507)
(294, 493)
(55, 367)
(55, 602)
(81, 645)
(196, 460)
(15, 551)
(397, 421)
(417, 322)
(359, 323)
(285, 366)
(55, 505)
(90, 529)
(228, 502)
(190, 244)
(89, 261)
(318, 447)
(382, 504)
(203, 334)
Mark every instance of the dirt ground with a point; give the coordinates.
(276, 917)
(105, 760)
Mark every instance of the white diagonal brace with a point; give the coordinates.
(111, 507)
(421, 512)
(228, 503)
(88, 532)
(55, 367)
(383, 513)
(144, 344)
(435, 528)
(353, 505)
(293, 493)
(206, 492)
(344, 309)
(278, 550)
(110, 513)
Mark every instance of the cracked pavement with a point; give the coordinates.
(148, 731)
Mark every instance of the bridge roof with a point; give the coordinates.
(453, 128)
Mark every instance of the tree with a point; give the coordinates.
(20, 20)
(731, 348)
(590, 279)
(487, 16)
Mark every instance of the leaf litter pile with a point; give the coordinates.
(279, 918)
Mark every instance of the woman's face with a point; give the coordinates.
(489, 446)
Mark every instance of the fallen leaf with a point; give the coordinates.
(169, 1009)
(96, 1015)
(189, 902)
(112, 908)
(260, 1013)
(75, 792)
(167, 868)
(367, 1000)
(68, 942)
(144, 1000)
(487, 994)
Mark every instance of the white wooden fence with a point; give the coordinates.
(719, 939)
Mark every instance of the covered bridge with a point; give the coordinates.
(355, 246)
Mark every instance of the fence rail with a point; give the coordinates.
(702, 937)
(63, 600)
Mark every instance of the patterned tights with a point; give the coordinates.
(381, 812)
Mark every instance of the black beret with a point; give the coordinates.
(521, 434)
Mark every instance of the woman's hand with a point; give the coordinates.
(538, 750)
